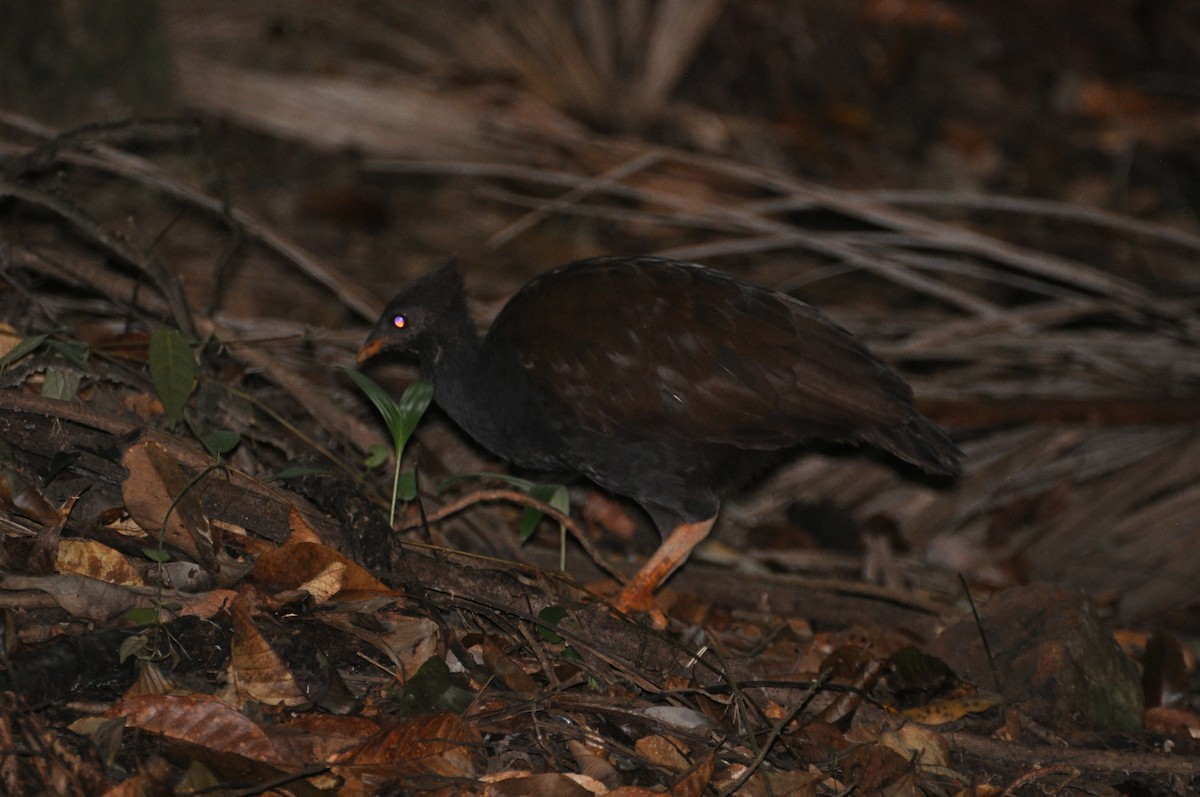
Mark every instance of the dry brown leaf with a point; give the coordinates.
(202, 720)
(695, 782)
(920, 745)
(939, 712)
(661, 751)
(437, 744)
(301, 531)
(255, 669)
(506, 668)
(80, 596)
(157, 484)
(408, 641)
(95, 560)
(292, 566)
(594, 762)
(207, 604)
(522, 784)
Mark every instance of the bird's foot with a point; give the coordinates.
(636, 600)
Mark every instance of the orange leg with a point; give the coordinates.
(638, 595)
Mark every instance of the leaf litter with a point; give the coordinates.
(276, 632)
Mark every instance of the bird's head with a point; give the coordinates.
(420, 318)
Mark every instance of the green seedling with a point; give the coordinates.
(26, 346)
(401, 419)
(555, 495)
(172, 370)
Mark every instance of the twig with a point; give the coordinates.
(516, 497)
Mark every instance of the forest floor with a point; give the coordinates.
(201, 588)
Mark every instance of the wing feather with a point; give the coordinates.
(643, 349)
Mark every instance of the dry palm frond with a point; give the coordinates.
(616, 62)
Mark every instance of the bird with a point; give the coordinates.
(670, 383)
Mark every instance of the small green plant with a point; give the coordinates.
(554, 495)
(174, 374)
(401, 419)
(172, 370)
(26, 346)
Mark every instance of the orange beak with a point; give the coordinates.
(369, 349)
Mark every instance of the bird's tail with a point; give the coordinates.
(921, 442)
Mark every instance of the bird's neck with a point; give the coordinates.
(475, 386)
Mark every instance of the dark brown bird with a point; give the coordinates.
(666, 382)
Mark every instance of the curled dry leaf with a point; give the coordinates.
(301, 531)
(294, 566)
(593, 762)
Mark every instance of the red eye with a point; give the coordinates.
(399, 322)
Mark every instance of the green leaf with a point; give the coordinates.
(156, 555)
(401, 419)
(551, 616)
(555, 495)
(74, 352)
(172, 369)
(407, 486)
(413, 403)
(60, 384)
(377, 454)
(26, 346)
(384, 403)
(222, 442)
(137, 645)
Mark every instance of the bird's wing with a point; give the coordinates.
(640, 349)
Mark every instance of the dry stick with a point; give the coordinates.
(1039, 207)
(987, 648)
(825, 245)
(719, 217)
(114, 161)
(861, 207)
(319, 406)
(579, 192)
(149, 265)
(776, 732)
(923, 231)
(679, 28)
(515, 497)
